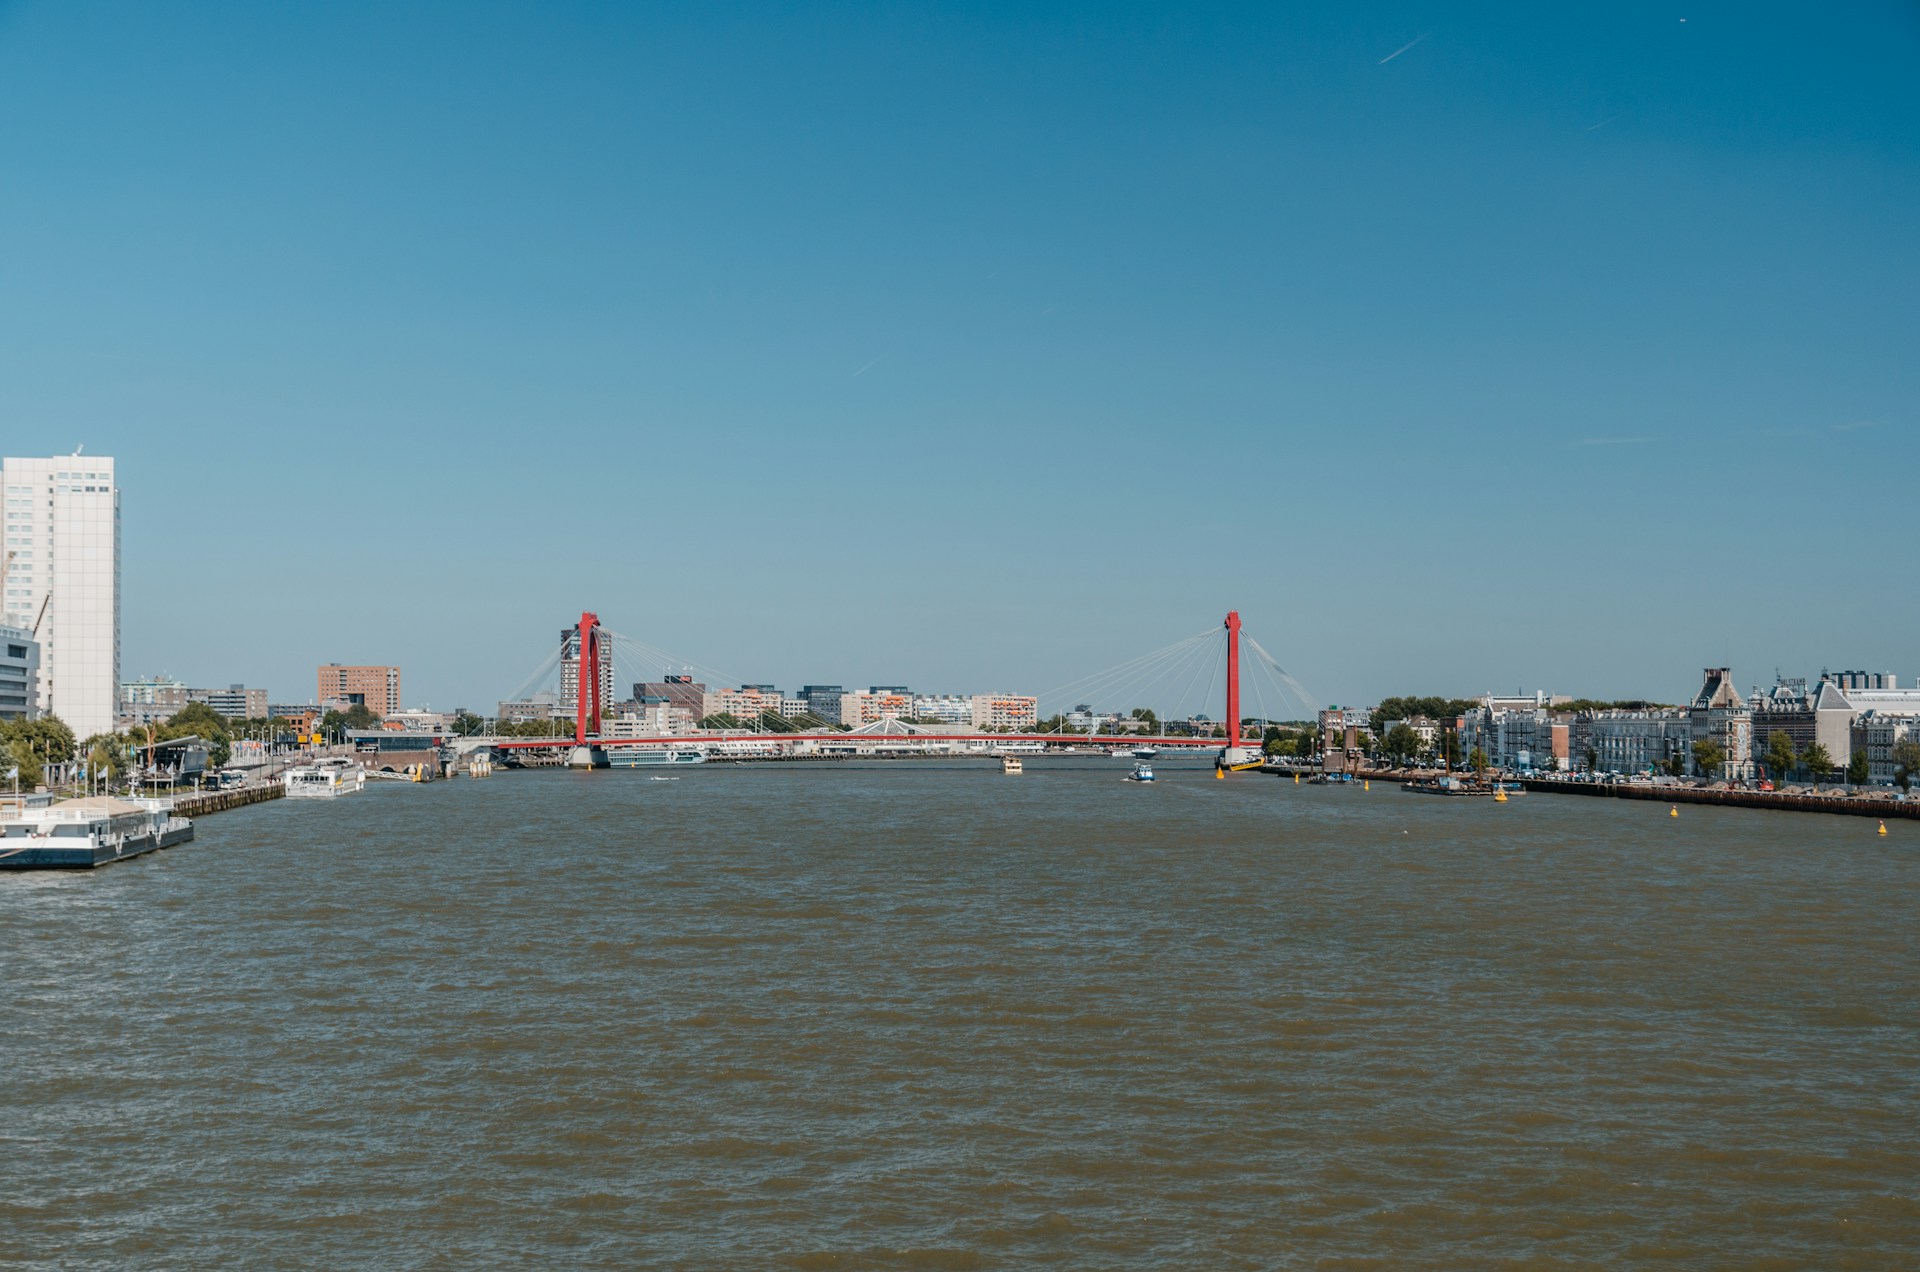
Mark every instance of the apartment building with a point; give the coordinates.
(376, 687)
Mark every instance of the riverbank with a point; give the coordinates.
(1877, 806)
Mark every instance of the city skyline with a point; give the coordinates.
(1520, 355)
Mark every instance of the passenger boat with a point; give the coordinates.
(1144, 752)
(653, 756)
(1142, 772)
(324, 780)
(79, 834)
(1011, 764)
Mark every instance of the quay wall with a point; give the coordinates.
(1842, 804)
(221, 801)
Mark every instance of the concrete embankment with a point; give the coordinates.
(1779, 801)
(221, 801)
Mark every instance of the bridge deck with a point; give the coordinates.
(864, 739)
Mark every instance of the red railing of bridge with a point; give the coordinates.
(865, 739)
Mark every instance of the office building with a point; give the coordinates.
(683, 693)
(62, 582)
(236, 702)
(539, 706)
(375, 687)
(823, 701)
(19, 674)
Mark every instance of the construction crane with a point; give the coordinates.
(6, 576)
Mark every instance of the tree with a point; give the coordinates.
(105, 753)
(1401, 743)
(1676, 764)
(1146, 716)
(357, 716)
(1708, 756)
(197, 719)
(1859, 770)
(1816, 760)
(1477, 761)
(1906, 762)
(468, 725)
(1593, 759)
(1780, 755)
(721, 720)
(30, 744)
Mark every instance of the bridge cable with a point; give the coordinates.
(1131, 680)
(1076, 688)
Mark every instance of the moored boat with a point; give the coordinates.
(653, 756)
(79, 834)
(325, 780)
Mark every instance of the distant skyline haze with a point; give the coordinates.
(979, 347)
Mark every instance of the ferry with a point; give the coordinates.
(79, 834)
(325, 780)
(653, 756)
(1142, 772)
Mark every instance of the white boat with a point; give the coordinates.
(1011, 764)
(83, 833)
(1144, 752)
(1142, 772)
(324, 780)
(653, 756)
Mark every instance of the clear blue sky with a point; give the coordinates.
(980, 346)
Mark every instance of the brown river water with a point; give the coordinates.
(924, 1015)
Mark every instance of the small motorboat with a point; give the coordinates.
(1144, 752)
(1142, 772)
(1011, 764)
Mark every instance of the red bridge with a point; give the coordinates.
(587, 737)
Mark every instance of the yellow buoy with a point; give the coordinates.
(1221, 774)
(1673, 812)
(1883, 828)
(1366, 786)
(1296, 779)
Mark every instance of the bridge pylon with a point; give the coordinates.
(1235, 755)
(586, 692)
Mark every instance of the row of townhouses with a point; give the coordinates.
(1844, 712)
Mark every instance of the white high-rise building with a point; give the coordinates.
(63, 581)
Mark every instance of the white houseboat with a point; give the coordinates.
(79, 834)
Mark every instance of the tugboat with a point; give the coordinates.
(1142, 772)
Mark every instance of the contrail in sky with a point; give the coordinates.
(1603, 123)
(863, 370)
(1402, 49)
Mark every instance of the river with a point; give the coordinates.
(926, 1015)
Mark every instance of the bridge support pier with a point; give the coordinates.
(586, 757)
